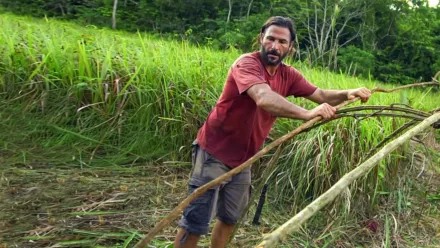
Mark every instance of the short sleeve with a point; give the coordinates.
(247, 71)
(299, 86)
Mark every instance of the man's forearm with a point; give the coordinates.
(281, 107)
(334, 97)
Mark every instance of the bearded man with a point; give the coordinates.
(254, 95)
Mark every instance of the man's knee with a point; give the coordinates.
(197, 215)
(185, 239)
(228, 220)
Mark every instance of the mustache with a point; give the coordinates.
(273, 52)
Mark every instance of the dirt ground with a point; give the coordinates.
(67, 205)
(52, 206)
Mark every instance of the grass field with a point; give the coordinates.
(96, 127)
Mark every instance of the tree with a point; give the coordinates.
(325, 22)
(115, 7)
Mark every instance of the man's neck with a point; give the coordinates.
(271, 69)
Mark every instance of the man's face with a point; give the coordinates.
(275, 45)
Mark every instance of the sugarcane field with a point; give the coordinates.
(122, 130)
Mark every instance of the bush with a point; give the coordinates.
(355, 61)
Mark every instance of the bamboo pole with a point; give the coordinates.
(272, 239)
(199, 191)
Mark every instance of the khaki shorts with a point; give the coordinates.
(226, 201)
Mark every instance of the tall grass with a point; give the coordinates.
(130, 90)
(112, 94)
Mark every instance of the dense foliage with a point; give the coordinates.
(390, 40)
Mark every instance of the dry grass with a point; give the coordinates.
(44, 205)
(49, 205)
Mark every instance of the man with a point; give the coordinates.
(253, 96)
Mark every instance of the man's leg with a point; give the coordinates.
(220, 234)
(185, 239)
(195, 219)
(233, 199)
(197, 216)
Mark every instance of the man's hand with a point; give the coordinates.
(325, 110)
(363, 93)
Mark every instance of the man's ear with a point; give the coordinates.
(291, 48)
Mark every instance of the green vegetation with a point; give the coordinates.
(390, 40)
(92, 99)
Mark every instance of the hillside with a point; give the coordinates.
(95, 145)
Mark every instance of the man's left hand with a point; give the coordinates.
(362, 93)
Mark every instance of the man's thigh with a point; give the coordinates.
(234, 197)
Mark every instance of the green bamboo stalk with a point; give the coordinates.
(272, 239)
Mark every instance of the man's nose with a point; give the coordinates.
(275, 45)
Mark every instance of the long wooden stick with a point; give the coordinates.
(199, 191)
(406, 86)
(272, 239)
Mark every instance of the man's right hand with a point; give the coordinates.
(325, 110)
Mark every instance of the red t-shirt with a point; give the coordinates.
(236, 128)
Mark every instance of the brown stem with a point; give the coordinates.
(417, 118)
(406, 86)
(372, 107)
(381, 108)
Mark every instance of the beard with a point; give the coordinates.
(268, 60)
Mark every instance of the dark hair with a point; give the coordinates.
(284, 22)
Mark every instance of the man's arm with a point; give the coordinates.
(335, 97)
(278, 106)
